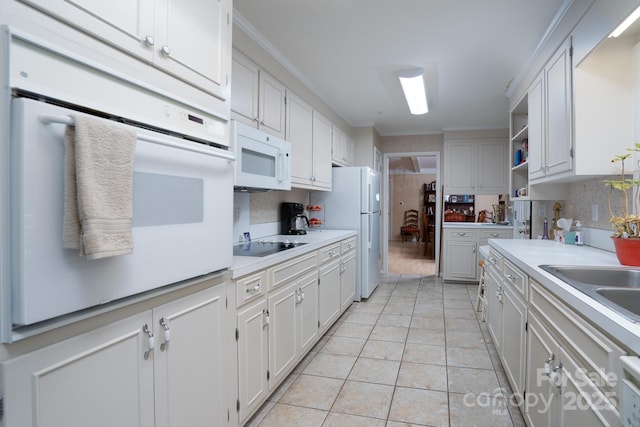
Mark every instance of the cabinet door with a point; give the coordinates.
(558, 101)
(543, 410)
(193, 42)
(282, 332)
(514, 318)
(460, 167)
(300, 135)
(253, 357)
(492, 168)
(245, 75)
(583, 404)
(322, 136)
(272, 105)
(99, 378)
(189, 362)
(494, 297)
(535, 99)
(329, 294)
(460, 260)
(348, 280)
(121, 23)
(308, 312)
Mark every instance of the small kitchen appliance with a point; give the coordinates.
(292, 219)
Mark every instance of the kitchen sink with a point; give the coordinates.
(616, 287)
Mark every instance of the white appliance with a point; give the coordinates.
(182, 193)
(354, 204)
(521, 219)
(263, 161)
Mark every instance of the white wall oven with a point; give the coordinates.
(182, 193)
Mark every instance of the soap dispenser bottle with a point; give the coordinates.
(545, 230)
(578, 230)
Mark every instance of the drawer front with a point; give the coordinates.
(496, 234)
(515, 279)
(494, 261)
(599, 354)
(328, 253)
(282, 273)
(460, 233)
(251, 287)
(348, 245)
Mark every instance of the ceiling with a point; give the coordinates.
(347, 51)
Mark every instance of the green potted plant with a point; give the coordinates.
(625, 215)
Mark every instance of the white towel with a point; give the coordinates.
(98, 187)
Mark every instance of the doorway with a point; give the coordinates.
(408, 255)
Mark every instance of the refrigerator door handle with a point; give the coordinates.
(369, 243)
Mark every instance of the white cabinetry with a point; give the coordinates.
(322, 137)
(579, 359)
(258, 98)
(476, 167)
(112, 376)
(343, 150)
(253, 357)
(550, 136)
(347, 272)
(300, 135)
(160, 32)
(329, 294)
(310, 135)
(461, 247)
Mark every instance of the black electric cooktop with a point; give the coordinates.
(258, 248)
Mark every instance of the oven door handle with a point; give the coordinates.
(211, 151)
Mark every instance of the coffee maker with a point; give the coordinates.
(292, 220)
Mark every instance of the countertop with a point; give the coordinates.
(529, 254)
(314, 239)
(474, 225)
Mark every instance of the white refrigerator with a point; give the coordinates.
(354, 204)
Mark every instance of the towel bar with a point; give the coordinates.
(48, 118)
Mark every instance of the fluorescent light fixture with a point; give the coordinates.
(626, 23)
(412, 82)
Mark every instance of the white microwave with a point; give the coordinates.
(263, 161)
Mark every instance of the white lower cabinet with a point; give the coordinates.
(293, 324)
(583, 367)
(117, 375)
(460, 247)
(329, 293)
(348, 273)
(282, 313)
(253, 357)
(460, 253)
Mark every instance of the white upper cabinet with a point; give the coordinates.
(258, 98)
(271, 111)
(245, 78)
(342, 152)
(476, 167)
(190, 39)
(310, 135)
(550, 109)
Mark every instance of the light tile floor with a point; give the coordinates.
(414, 354)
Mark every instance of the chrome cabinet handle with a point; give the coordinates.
(253, 290)
(265, 314)
(166, 333)
(461, 233)
(166, 51)
(511, 277)
(149, 41)
(547, 364)
(150, 341)
(554, 377)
